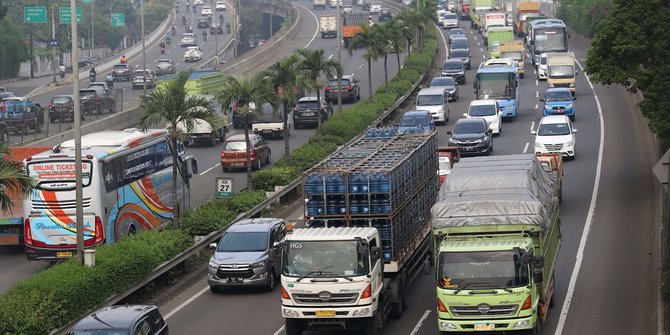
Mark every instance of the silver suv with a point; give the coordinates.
(248, 254)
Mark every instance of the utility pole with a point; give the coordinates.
(339, 60)
(236, 28)
(32, 60)
(92, 29)
(144, 51)
(79, 217)
(53, 38)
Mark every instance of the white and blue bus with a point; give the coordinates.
(127, 179)
(501, 83)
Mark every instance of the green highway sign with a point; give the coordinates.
(86, 1)
(118, 19)
(66, 16)
(34, 14)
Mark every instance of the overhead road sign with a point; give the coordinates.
(118, 20)
(66, 16)
(34, 14)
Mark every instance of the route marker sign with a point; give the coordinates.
(66, 16)
(224, 187)
(34, 14)
(118, 20)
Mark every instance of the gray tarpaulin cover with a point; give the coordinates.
(510, 189)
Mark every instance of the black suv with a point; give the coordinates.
(305, 111)
(121, 72)
(204, 21)
(95, 99)
(454, 68)
(351, 90)
(471, 136)
(126, 319)
(61, 108)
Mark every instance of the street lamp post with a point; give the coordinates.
(144, 51)
(79, 207)
(339, 59)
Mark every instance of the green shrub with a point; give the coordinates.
(267, 179)
(52, 298)
(207, 218)
(244, 201)
(309, 154)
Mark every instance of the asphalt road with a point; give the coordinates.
(606, 272)
(126, 96)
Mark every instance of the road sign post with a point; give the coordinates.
(34, 14)
(224, 187)
(66, 15)
(118, 20)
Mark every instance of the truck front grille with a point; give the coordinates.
(335, 298)
(496, 310)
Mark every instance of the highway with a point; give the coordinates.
(606, 272)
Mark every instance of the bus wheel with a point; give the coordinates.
(132, 230)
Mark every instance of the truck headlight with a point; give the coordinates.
(258, 264)
(213, 264)
(447, 325)
(521, 324)
(290, 313)
(361, 312)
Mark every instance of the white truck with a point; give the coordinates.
(271, 124)
(319, 4)
(561, 70)
(328, 25)
(351, 268)
(203, 132)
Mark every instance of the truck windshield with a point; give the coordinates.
(516, 55)
(243, 242)
(485, 270)
(550, 39)
(495, 86)
(335, 258)
(561, 71)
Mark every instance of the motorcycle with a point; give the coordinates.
(168, 39)
(162, 50)
(221, 18)
(91, 77)
(174, 30)
(228, 28)
(204, 36)
(110, 81)
(183, 20)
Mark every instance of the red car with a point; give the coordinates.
(234, 152)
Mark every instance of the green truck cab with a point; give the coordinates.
(496, 232)
(495, 35)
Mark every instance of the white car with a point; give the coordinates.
(187, 40)
(375, 8)
(555, 133)
(206, 11)
(439, 14)
(192, 54)
(198, 2)
(488, 110)
(347, 9)
(220, 6)
(449, 20)
(542, 67)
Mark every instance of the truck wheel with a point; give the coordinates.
(293, 327)
(396, 295)
(372, 325)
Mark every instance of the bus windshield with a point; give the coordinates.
(58, 174)
(550, 39)
(495, 86)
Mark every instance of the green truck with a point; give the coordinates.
(496, 232)
(494, 36)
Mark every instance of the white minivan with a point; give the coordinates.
(555, 133)
(488, 110)
(435, 101)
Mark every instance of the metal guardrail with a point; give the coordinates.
(214, 236)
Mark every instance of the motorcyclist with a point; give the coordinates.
(221, 18)
(204, 35)
(174, 30)
(168, 39)
(228, 28)
(162, 46)
(124, 59)
(183, 19)
(92, 73)
(61, 70)
(110, 80)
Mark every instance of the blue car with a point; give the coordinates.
(416, 122)
(559, 101)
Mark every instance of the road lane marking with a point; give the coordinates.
(536, 106)
(316, 31)
(532, 126)
(210, 169)
(330, 57)
(280, 330)
(483, 56)
(537, 82)
(525, 148)
(188, 301)
(537, 94)
(420, 323)
(589, 216)
(534, 71)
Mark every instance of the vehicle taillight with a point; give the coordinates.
(99, 236)
(327, 89)
(527, 304)
(349, 88)
(222, 155)
(284, 294)
(441, 307)
(252, 154)
(367, 293)
(51, 106)
(27, 235)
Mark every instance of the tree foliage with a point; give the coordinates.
(13, 180)
(14, 50)
(632, 48)
(584, 15)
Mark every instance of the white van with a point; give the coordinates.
(488, 110)
(434, 100)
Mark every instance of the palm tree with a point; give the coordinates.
(312, 65)
(407, 33)
(242, 91)
(369, 39)
(394, 33)
(170, 103)
(13, 180)
(284, 74)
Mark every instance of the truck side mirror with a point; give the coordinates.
(538, 276)
(465, 114)
(375, 253)
(526, 258)
(538, 262)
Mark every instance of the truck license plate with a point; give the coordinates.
(325, 313)
(485, 326)
(64, 254)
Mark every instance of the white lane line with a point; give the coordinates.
(537, 82)
(535, 106)
(534, 71)
(210, 169)
(525, 148)
(589, 217)
(330, 57)
(280, 330)
(316, 32)
(481, 49)
(352, 74)
(416, 328)
(532, 126)
(188, 301)
(537, 94)
(483, 56)
(479, 44)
